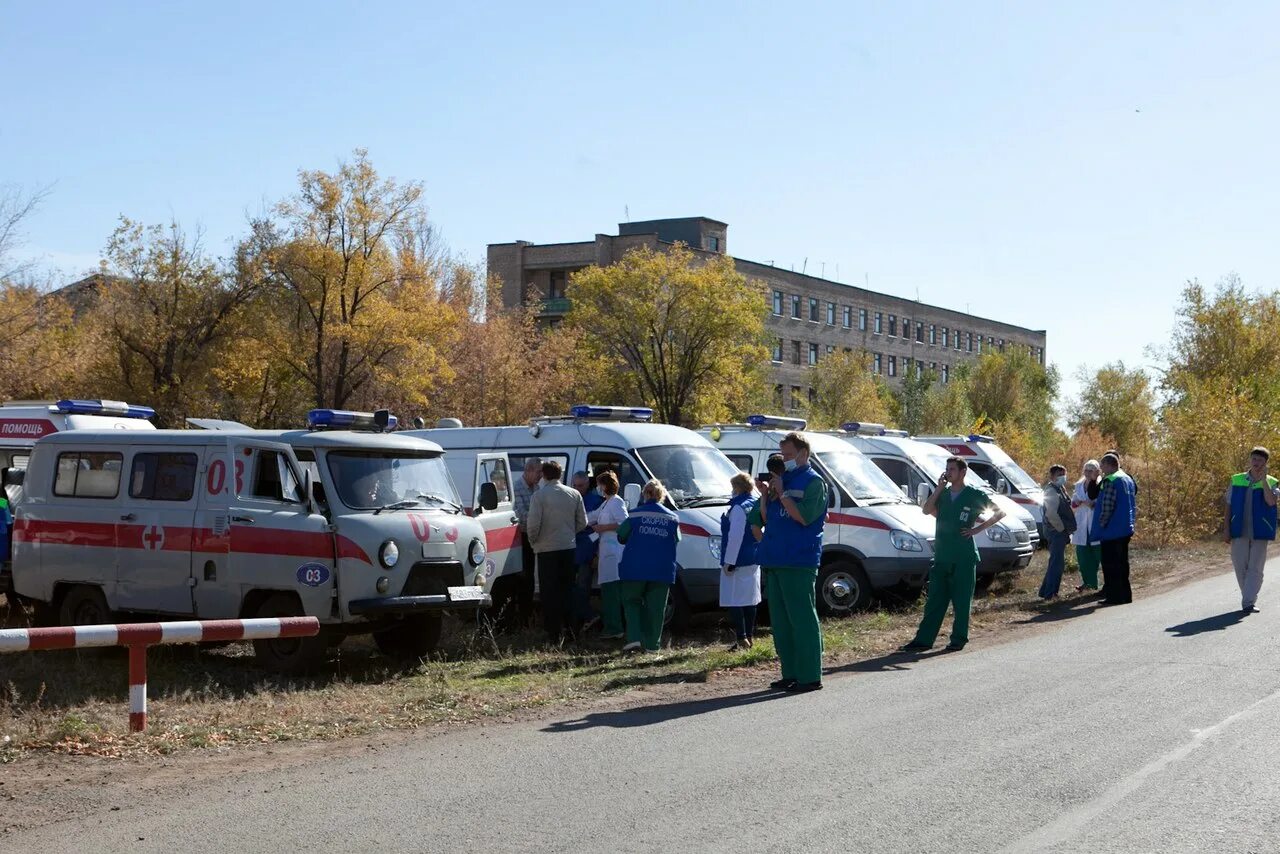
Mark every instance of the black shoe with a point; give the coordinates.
(914, 647)
(1248, 609)
(803, 687)
(954, 647)
(782, 684)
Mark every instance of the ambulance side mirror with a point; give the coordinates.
(1002, 486)
(488, 496)
(631, 495)
(922, 493)
(14, 477)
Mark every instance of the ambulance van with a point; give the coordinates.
(875, 540)
(485, 462)
(998, 469)
(916, 466)
(22, 422)
(359, 528)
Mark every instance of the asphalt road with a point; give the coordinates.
(1149, 727)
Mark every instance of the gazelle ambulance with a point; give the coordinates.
(485, 461)
(22, 422)
(875, 539)
(997, 468)
(344, 522)
(916, 466)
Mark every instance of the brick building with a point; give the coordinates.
(810, 317)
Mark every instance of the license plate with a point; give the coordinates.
(466, 594)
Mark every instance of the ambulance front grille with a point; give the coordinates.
(431, 577)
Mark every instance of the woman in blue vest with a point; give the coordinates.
(740, 573)
(648, 567)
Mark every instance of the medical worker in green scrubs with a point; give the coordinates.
(955, 556)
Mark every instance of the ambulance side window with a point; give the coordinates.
(19, 461)
(742, 461)
(81, 474)
(163, 477)
(896, 470)
(273, 478)
(599, 462)
(495, 472)
(518, 460)
(987, 472)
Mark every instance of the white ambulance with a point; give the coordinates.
(998, 469)
(916, 466)
(362, 530)
(875, 540)
(22, 422)
(485, 461)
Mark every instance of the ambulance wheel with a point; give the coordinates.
(413, 637)
(982, 583)
(843, 589)
(288, 655)
(679, 612)
(84, 605)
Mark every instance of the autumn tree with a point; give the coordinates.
(924, 404)
(845, 389)
(687, 332)
(1118, 403)
(356, 267)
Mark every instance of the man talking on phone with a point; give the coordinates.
(958, 509)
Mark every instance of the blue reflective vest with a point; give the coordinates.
(649, 553)
(786, 542)
(584, 548)
(6, 528)
(747, 545)
(1121, 523)
(1264, 515)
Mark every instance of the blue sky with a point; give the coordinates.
(1065, 170)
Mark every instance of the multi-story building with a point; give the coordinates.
(810, 317)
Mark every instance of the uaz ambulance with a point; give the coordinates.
(916, 466)
(875, 540)
(998, 469)
(594, 439)
(362, 530)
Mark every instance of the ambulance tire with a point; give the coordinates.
(290, 656)
(982, 583)
(413, 637)
(84, 605)
(679, 611)
(843, 589)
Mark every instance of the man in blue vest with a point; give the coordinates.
(1251, 524)
(789, 554)
(1114, 518)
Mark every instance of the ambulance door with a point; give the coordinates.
(276, 542)
(157, 519)
(217, 593)
(502, 537)
(74, 534)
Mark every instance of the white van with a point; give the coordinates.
(22, 422)
(998, 469)
(875, 540)
(595, 439)
(362, 530)
(916, 466)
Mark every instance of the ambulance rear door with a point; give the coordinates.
(502, 537)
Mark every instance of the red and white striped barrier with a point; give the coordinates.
(138, 636)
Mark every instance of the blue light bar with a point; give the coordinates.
(897, 434)
(611, 413)
(776, 422)
(345, 419)
(864, 428)
(104, 407)
(975, 437)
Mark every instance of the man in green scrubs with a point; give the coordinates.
(955, 557)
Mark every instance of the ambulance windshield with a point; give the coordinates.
(386, 480)
(692, 475)
(1012, 472)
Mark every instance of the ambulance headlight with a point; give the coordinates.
(389, 554)
(904, 542)
(713, 544)
(476, 554)
(999, 534)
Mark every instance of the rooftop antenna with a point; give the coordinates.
(837, 271)
(805, 266)
(824, 269)
(626, 213)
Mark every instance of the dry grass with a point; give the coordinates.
(75, 702)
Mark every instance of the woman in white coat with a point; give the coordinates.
(1088, 551)
(608, 517)
(740, 572)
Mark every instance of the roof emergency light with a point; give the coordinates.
(863, 428)
(381, 421)
(897, 434)
(977, 437)
(103, 407)
(585, 411)
(776, 422)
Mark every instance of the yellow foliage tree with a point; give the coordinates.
(845, 389)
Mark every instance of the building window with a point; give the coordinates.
(813, 354)
(830, 349)
(875, 362)
(968, 338)
(946, 340)
(777, 397)
(795, 352)
(933, 335)
(795, 397)
(979, 343)
(846, 317)
(946, 375)
(777, 349)
(713, 243)
(795, 306)
(831, 314)
(920, 332)
(813, 310)
(919, 369)
(933, 366)
(556, 287)
(777, 303)
(906, 366)
(1000, 344)
(877, 329)
(862, 320)
(893, 366)
(893, 326)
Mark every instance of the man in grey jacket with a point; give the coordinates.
(556, 515)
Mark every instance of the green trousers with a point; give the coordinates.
(951, 584)
(645, 604)
(611, 608)
(1089, 558)
(797, 636)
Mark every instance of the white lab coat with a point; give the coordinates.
(612, 512)
(742, 586)
(1084, 516)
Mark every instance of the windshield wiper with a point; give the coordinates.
(440, 499)
(874, 500)
(397, 505)
(703, 500)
